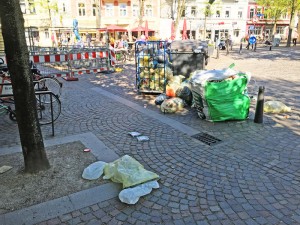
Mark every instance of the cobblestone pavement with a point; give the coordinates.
(251, 177)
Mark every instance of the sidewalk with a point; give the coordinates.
(250, 177)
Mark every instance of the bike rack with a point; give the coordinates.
(39, 93)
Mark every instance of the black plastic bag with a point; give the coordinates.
(160, 98)
(185, 94)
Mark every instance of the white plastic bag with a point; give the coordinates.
(132, 195)
(276, 107)
(94, 170)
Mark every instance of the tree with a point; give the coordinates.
(141, 14)
(17, 55)
(51, 8)
(293, 6)
(273, 9)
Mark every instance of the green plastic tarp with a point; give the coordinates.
(226, 99)
(128, 171)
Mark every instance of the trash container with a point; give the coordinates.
(187, 56)
(151, 62)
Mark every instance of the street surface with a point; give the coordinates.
(251, 177)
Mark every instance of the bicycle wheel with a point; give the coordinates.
(48, 84)
(45, 109)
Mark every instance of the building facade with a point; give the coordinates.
(234, 18)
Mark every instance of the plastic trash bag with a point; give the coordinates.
(94, 170)
(132, 195)
(275, 107)
(172, 105)
(185, 94)
(128, 171)
(160, 98)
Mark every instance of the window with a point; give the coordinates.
(218, 13)
(109, 9)
(193, 11)
(148, 10)
(251, 13)
(94, 9)
(31, 7)
(227, 14)
(183, 13)
(47, 34)
(81, 9)
(123, 10)
(240, 14)
(135, 10)
(23, 6)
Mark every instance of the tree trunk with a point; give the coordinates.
(21, 77)
(141, 15)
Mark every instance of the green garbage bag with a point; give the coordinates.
(226, 99)
(128, 171)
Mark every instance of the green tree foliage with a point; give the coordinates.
(293, 6)
(273, 9)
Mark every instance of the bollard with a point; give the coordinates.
(241, 47)
(259, 111)
(255, 47)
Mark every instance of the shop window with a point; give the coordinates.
(81, 9)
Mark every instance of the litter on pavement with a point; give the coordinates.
(136, 180)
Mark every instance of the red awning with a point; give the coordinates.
(140, 28)
(112, 28)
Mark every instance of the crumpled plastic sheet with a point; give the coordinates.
(94, 170)
(132, 195)
(276, 107)
(128, 171)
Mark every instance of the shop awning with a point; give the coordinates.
(140, 28)
(112, 28)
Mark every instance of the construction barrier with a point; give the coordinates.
(74, 62)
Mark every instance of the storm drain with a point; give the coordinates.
(206, 138)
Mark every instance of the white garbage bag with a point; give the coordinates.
(275, 107)
(94, 170)
(132, 195)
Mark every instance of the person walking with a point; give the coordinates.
(295, 36)
(88, 39)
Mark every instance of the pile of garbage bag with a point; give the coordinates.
(220, 95)
(136, 180)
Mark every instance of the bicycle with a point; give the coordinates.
(121, 55)
(41, 83)
(47, 112)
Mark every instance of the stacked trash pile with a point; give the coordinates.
(217, 95)
(220, 95)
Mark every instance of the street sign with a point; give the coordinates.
(251, 27)
(259, 14)
(252, 40)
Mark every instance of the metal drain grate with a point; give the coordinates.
(206, 138)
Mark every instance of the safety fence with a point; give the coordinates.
(69, 63)
(74, 62)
